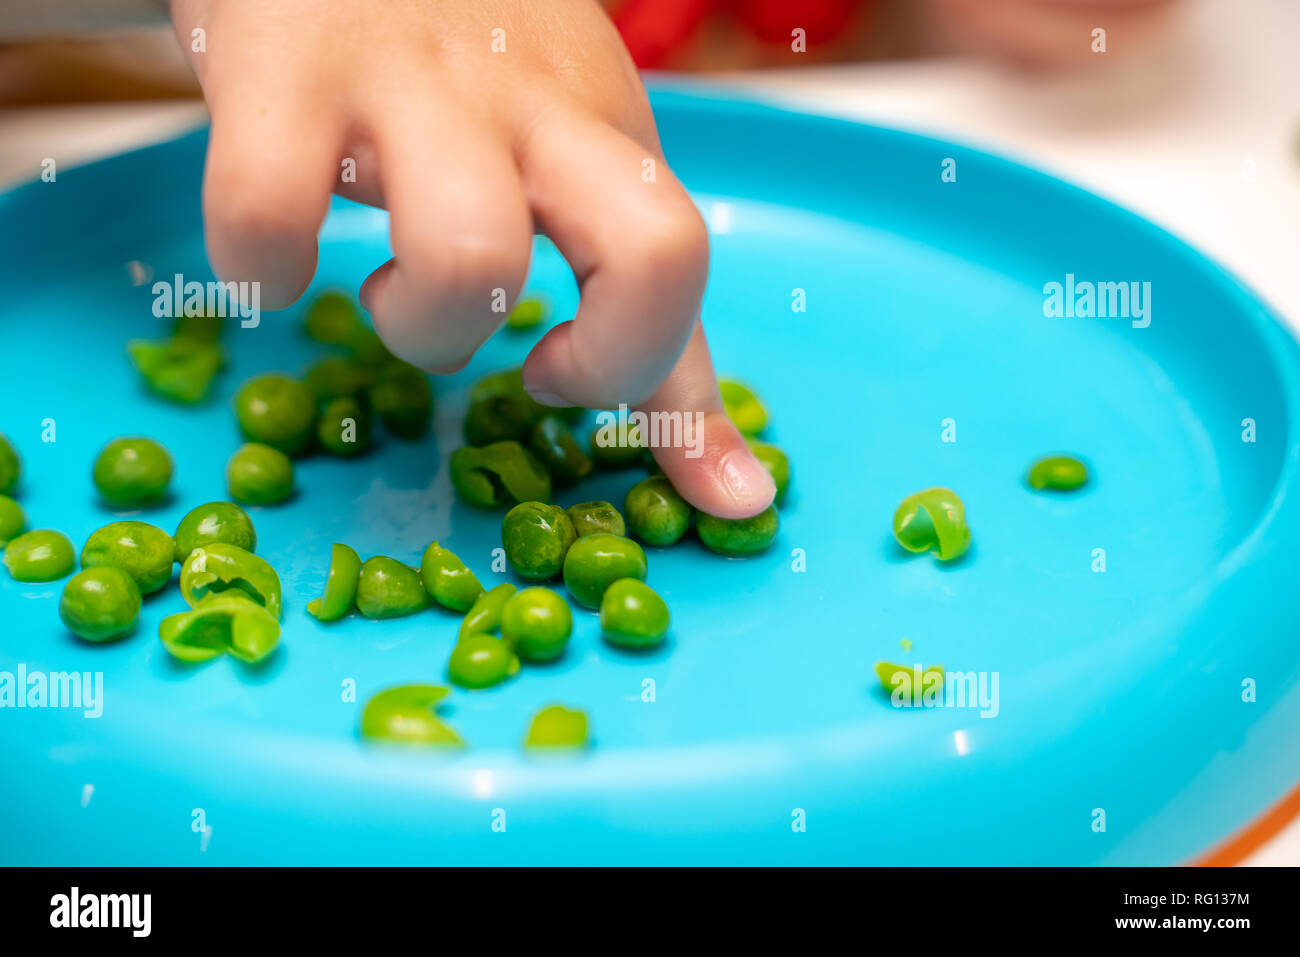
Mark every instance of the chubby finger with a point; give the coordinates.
(717, 473)
(461, 235)
(271, 167)
(639, 249)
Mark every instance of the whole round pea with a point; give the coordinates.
(776, 462)
(276, 411)
(536, 537)
(100, 604)
(337, 377)
(42, 555)
(595, 562)
(633, 615)
(389, 589)
(214, 522)
(11, 467)
(527, 313)
(143, 551)
(332, 318)
(12, 519)
(343, 428)
(259, 475)
(403, 399)
(480, 661)
(617, 445)
(132, 472)
(537, 623)
(743, 406)
(741, 536)
(656, 512)
(591, 517)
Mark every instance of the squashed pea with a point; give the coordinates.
(553, 443)
(743, 406)
(902, 682)
(485, 614)
(405, 715)
(212, 569)
(227, 621)
(933, 520)
(340, 585)
(591, 517)
(616, 445)
(527, 313)
(403, 399)
(556, 726)
(497, 474)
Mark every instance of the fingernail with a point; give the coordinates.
(744, 477)
(549, 398)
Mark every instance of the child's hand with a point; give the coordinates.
(473, 122)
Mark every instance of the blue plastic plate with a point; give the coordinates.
(1143, 712)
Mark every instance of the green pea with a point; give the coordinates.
(740, 536)
(776, 462)
(656, 513)
(537, 623)
(11, 466)
(344, 428)
(333, 318)
(480, 661)
(527, 313)
(211, 523)
(536, 537)
(1059, 473)
(485, 614)
(143, 551)
(405, 715)
(591, 517)
(556, 726)
(509, 384)
(276, 411)
(181, 368)
(216, 568)
(933, 519)
(495, 419)
(633, 615)
(43, 555)
(595, 562)
(340, 585)
(908, 683)
(553, 443)
(225, 621)
(12, 519)
(617, 445)
(132, 472)
(100, 604)
(369, 350)
(498, 473)
(337, 378)
(447, 580)
(259, 475)
(389, 589)
(403, 399)
(743, 406)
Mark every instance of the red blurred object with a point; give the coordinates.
(654, 29)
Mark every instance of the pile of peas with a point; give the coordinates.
(517, 453)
